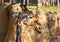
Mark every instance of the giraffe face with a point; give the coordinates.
(15, 8)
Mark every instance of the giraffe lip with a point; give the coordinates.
(39, 32)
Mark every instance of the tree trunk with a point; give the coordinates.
(14, 1)
(50, 2)
(38, 5)
(58, 3)
(43, 2)
(10, 1)
(27, 2)
(24, 2)
(2, 1)
(53, 2)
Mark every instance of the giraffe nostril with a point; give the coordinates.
(17, 9)
(39, 28)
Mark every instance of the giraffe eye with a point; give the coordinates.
(31, 16)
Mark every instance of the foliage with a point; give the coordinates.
(45, 8)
